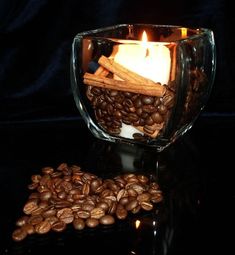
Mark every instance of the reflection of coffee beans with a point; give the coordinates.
(112, 108)
(82, 199)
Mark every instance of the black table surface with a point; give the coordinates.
(195, 175)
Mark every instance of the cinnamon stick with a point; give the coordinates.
(123, 72)
(101, 71)
(141, 88)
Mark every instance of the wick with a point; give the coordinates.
(147, 52)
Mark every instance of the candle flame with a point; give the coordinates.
(144, 37)
(144, 43)
(184, 32)
(137, 224)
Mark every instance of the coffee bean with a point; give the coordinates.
(45, 195)
(131, 205)
(78, 224)
(107, 220)
(35, 219)
(147, 100)
(30, 206)
(92, 222)
(51, 219)
(83, 214)
(95, 184)
(47, 170)
(58, 226)
(156, 117)
(66, 215)
(103, 205)
(144, 197)
(22, 221)
(49, 213)
(43, 227)
(147, 206)
(29, 229)
(121, 212)
(97, 213)
(19, 234)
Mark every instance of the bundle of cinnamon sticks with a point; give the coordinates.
(130, 81)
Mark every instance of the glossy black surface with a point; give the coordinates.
(195, 174)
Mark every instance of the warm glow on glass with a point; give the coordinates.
(137, 224)
(184, 32)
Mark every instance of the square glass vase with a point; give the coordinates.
(142, 83)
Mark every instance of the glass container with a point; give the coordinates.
(142, 83)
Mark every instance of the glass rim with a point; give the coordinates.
(201, 31)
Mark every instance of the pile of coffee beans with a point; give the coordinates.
(194, 98)
(68, 195)
(112, 108)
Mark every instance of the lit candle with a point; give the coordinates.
(150, 59)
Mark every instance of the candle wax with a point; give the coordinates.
(150, 61)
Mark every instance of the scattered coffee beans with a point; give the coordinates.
(67, 195)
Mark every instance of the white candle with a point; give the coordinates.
(151, 60)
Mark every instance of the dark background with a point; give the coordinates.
(40, 126)
(35, 47)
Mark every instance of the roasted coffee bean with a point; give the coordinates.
(62, 167)
(30, 206)
(144, 197)
(147, 206)
(22, 221)
(103, 205)
(49, 213)
(43, 227)
(97, 213)
(83, 214)
(138, 137)
(107, 220)
(168, 99)
(86, 189)
(88, 207)
(156, 117)
(51, 219)
(19, 234)
(138, 102)
(149, 120)
(124, 200)
(157, 102)
(112, 207)
(121, 212)
(36, 178)
(143, 179)
(162, 109)
(147, 99)
(136, 209)
(95, 184)
(66, 215)
(35, 219)
(47, 170)
(156, 198)
(29, 229)
(92, 222)
(45, 195)
(62, 204)
(34, 195)
(131, 205)
(43, 204)
(78, 224)
(33, 186)
(122, 193)
(58, 226)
